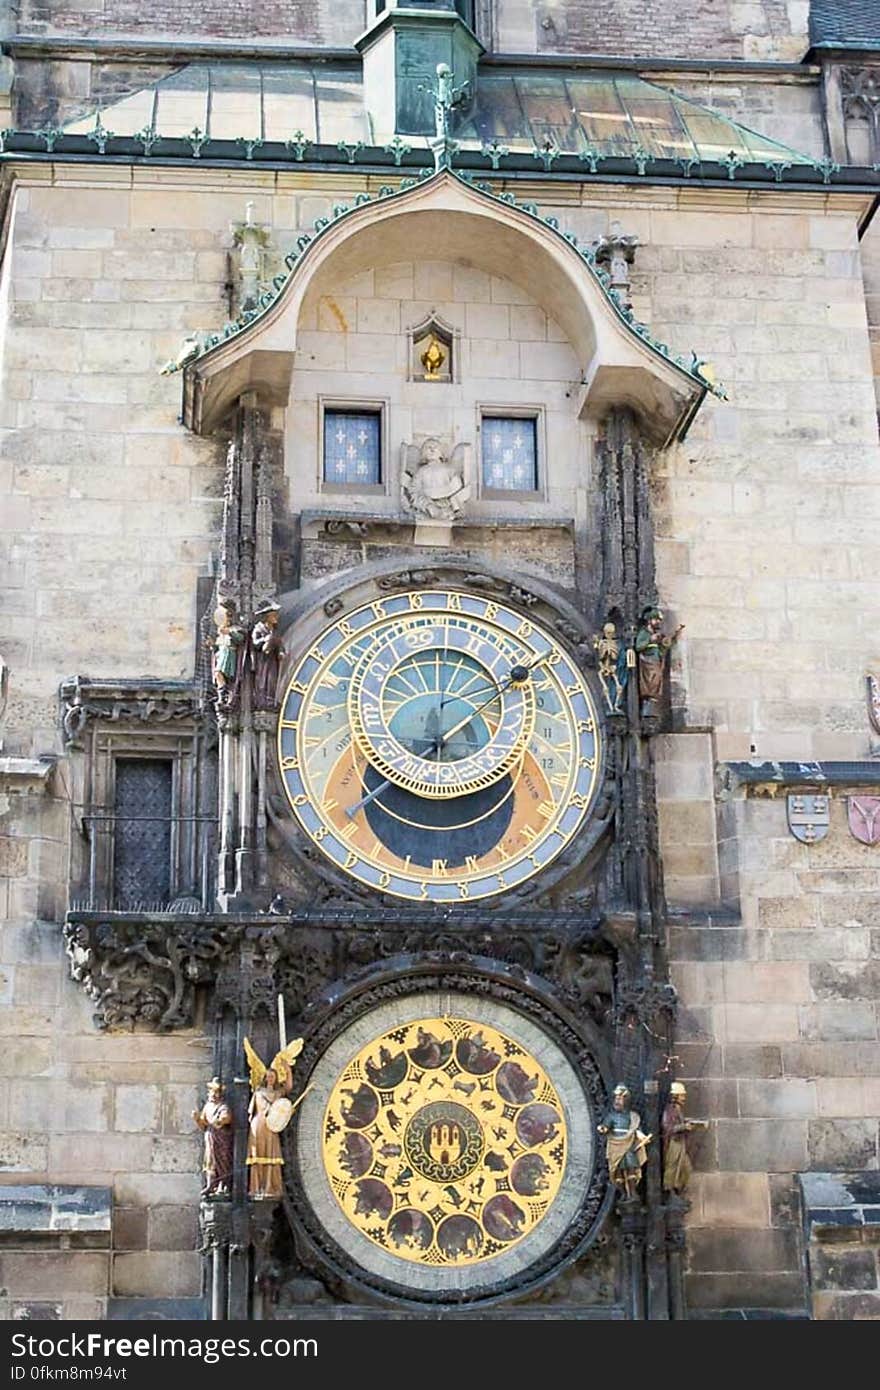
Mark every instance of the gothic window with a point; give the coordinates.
(352, 448)
(142, 812)
(509, 453)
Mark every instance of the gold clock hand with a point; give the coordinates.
(516, 677)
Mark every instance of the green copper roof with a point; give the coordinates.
(242, 101)
(582, 113)
(613, 114)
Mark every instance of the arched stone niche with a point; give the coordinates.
(445, 219)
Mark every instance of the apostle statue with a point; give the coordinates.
(433, 480)
(675, 1128)
(626, 1147)
(215, 1121)
(267, 649)
(269, 1113)
(652, 649)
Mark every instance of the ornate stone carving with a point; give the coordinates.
(615, 253)
(434, 479)
(120, 701)
(145, 970)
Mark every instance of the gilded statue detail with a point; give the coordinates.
(269, 1113)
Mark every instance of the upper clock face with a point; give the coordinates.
(438, 746)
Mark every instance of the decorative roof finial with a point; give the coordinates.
(446, 96)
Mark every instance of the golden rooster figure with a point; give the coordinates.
(432, 359)
(269, 1113)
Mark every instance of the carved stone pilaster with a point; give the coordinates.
(215, 1226)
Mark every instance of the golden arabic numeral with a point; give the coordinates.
(453, 603)
(321, 833)
(292, 724)
(579, 801)
(501, 880)
(535, 863)
(350, 860)
(415, 601)
(472, 864)
(525, 629)
(301, 800)
(553, 658)
(439, 868)
(316, 653)
(586, 726)
(384, 879)
(589, 763)
(298, 688)
(424, 893)
(345, 627)
(464, 890)
(289, 764)
(378, 608)
(573, 689)
(491, 610)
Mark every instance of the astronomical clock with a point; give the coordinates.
(438, 747)
(441, 751)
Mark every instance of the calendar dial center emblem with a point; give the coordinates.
(438, 746)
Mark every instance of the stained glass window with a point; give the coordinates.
(510, 453)
(353, 447)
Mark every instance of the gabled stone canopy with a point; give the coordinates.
(443, 214)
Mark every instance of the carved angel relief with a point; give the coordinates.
(434, 479)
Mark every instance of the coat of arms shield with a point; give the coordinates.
(863, 816)
(809, 817)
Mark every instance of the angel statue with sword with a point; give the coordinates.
(269, 1112)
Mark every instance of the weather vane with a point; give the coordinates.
(446, 96)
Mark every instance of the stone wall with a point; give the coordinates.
(757, 29)
(84, 1108)
(766, 521)
(326, 22)
(778, 1041)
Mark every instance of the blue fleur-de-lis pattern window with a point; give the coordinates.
(510, 454)
(352, 447)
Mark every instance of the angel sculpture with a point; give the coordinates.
(269, 1113)
(433, 479)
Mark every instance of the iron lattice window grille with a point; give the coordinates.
(352, 448)
(145, 826)
(142, 831)
(509, 453)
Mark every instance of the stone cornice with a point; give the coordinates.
(26, 774)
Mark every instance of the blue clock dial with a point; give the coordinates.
(438, 746)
